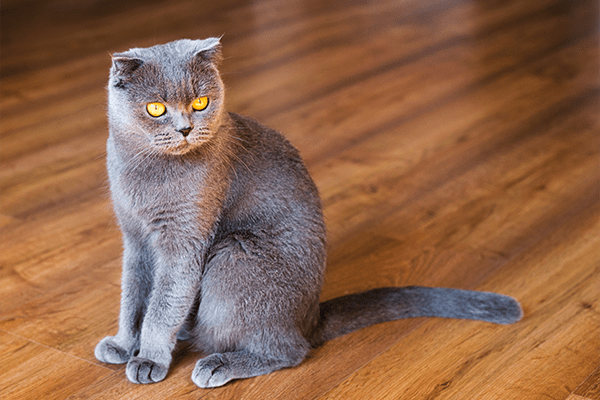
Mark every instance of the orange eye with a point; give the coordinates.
(200, 103)
(156, 109)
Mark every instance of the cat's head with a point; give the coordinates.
(167, 97)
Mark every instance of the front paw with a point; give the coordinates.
(108, 351)
(143, 370)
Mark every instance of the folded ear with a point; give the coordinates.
(209, 50)
(123, 67)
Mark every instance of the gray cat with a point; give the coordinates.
(224, 240)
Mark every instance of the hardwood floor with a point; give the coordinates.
(455, 143)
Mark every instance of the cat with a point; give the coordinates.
(223, 232)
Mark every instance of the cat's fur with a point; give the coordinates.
(224, 240)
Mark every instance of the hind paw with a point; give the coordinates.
(211, 371)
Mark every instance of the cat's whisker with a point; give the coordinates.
(231, 153)
(140, 158)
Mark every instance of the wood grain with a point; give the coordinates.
(32, 371)
(576, 397)
(454, 144)
(590, 388)
(514, 366)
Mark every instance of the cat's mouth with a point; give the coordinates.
(181, 149)
(182, 145)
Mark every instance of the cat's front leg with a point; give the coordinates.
(176, 283)
(136, 283)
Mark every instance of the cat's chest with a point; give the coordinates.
(156, 194)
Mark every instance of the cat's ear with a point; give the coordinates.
(123, 67)
(209, 50)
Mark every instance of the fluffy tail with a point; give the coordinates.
(352, 312)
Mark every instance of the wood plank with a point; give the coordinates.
(420, 204)
(65, 317)
(406, 84)
(47, 252)
(590, 388)
(559, 325)
(410, 40)
(30, 371)
(400, 150)
(116, 386)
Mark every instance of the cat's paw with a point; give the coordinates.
(110, 352)
(143, 370)
(211, 371)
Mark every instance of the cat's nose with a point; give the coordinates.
(185, 131)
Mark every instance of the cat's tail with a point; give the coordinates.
(346, 314)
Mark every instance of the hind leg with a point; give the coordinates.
(253, 313)
(219, 368)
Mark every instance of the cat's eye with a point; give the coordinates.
(156, 109)
(200, 103)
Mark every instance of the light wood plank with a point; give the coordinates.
(559, 326)
(116, 386)
(32, 371)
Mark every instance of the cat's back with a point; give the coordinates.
(265, 154)
(270, 181)
(265, 143)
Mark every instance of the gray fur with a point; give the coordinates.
(223, 233)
